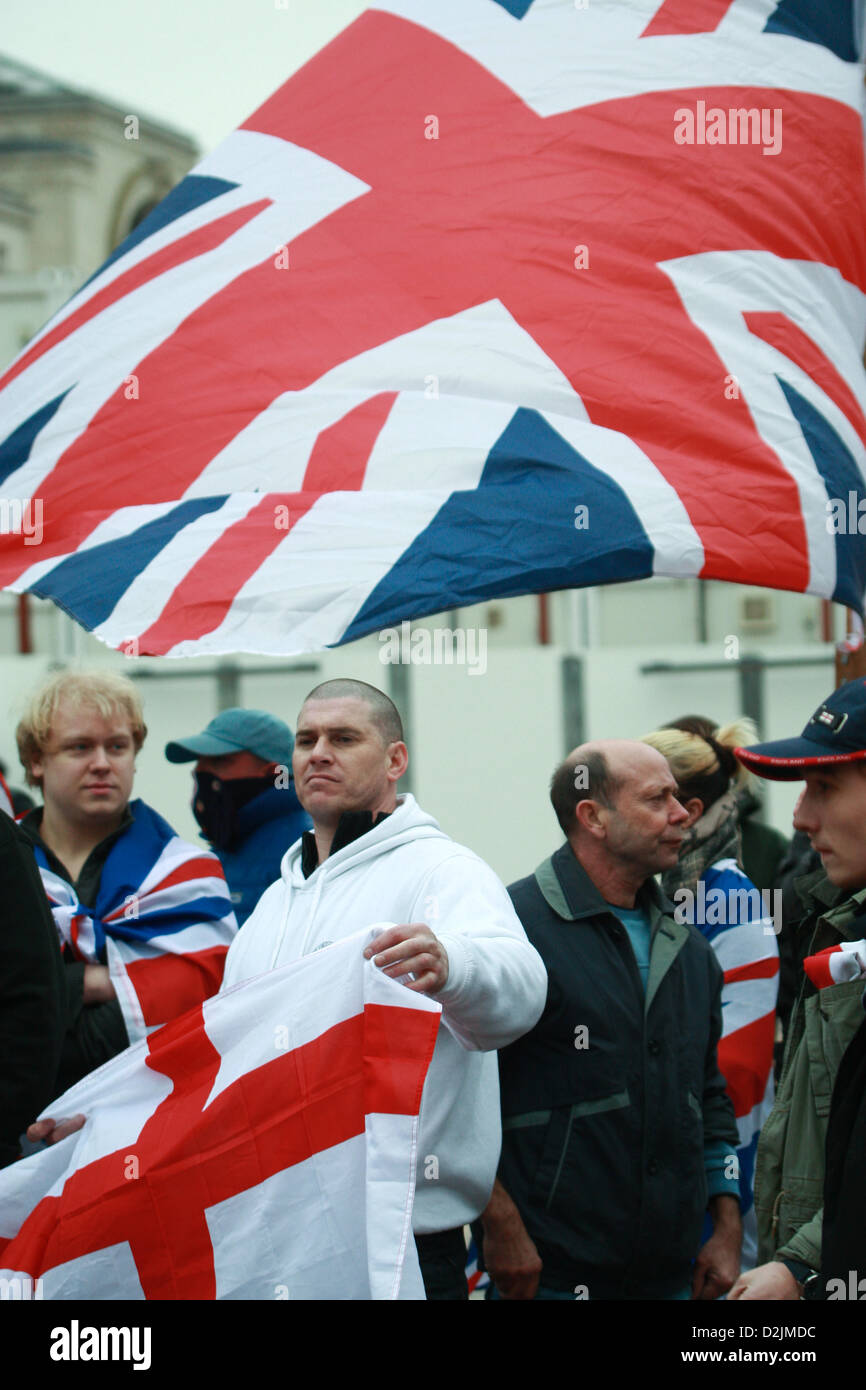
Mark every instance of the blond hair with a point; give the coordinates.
(104, 691)
(704, 763)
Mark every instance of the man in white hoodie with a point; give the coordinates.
(374, 856)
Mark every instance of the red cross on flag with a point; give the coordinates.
(262, 1146)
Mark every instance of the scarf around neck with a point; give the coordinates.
(715, 836)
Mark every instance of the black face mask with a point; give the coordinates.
(217, 802)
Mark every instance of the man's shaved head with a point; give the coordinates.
(383, 712)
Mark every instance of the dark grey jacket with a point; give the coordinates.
(32, 992)
(604, 1130)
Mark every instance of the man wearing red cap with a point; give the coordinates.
(830, 756)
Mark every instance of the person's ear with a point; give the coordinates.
(591, 816)
(695, 808)
(398, 761)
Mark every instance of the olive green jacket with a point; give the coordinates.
(789, 1169)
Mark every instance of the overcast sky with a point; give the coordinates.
(200, 65)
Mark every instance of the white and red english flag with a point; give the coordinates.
(492, 297)
(837, 965)
(262, 1146)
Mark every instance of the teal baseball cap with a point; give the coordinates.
(235, 731)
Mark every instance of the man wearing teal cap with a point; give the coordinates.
(244, 798)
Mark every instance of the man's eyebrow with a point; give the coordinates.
(89, 738)
(328, 729)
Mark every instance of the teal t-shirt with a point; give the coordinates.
(637, 924)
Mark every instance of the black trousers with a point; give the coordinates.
(442, 1257)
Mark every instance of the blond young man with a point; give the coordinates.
(143, 917)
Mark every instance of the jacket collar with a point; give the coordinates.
(271, 803)
(570, 892)
(841, 910)
(350, 827)
(90, 875)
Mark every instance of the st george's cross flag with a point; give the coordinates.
(260, 1147)
(491, 297)
(837, 965)
(162, 920)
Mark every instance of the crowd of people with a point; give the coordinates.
(601, 1095)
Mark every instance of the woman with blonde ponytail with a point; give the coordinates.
(710, 890)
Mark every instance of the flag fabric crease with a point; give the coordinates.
(162, 921)
(262, 1146)
(491, 297)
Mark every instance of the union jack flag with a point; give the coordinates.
(743, 937)
(162, 921)
(491, 297)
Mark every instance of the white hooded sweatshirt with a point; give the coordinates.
(407, 870)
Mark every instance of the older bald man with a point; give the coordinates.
(617, 1130)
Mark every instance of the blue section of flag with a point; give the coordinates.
(127, 866)
(15, 448)
(827, 22)
(192, 192)
(91, 582)
(731, 897)
(841, 475)
(516, 7)
(168, 919)
(516, 531)
(125, 871)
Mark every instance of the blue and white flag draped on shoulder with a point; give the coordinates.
(491, 297)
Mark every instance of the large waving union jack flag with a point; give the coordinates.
(492, 297)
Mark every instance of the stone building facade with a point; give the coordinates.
(77, 174)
